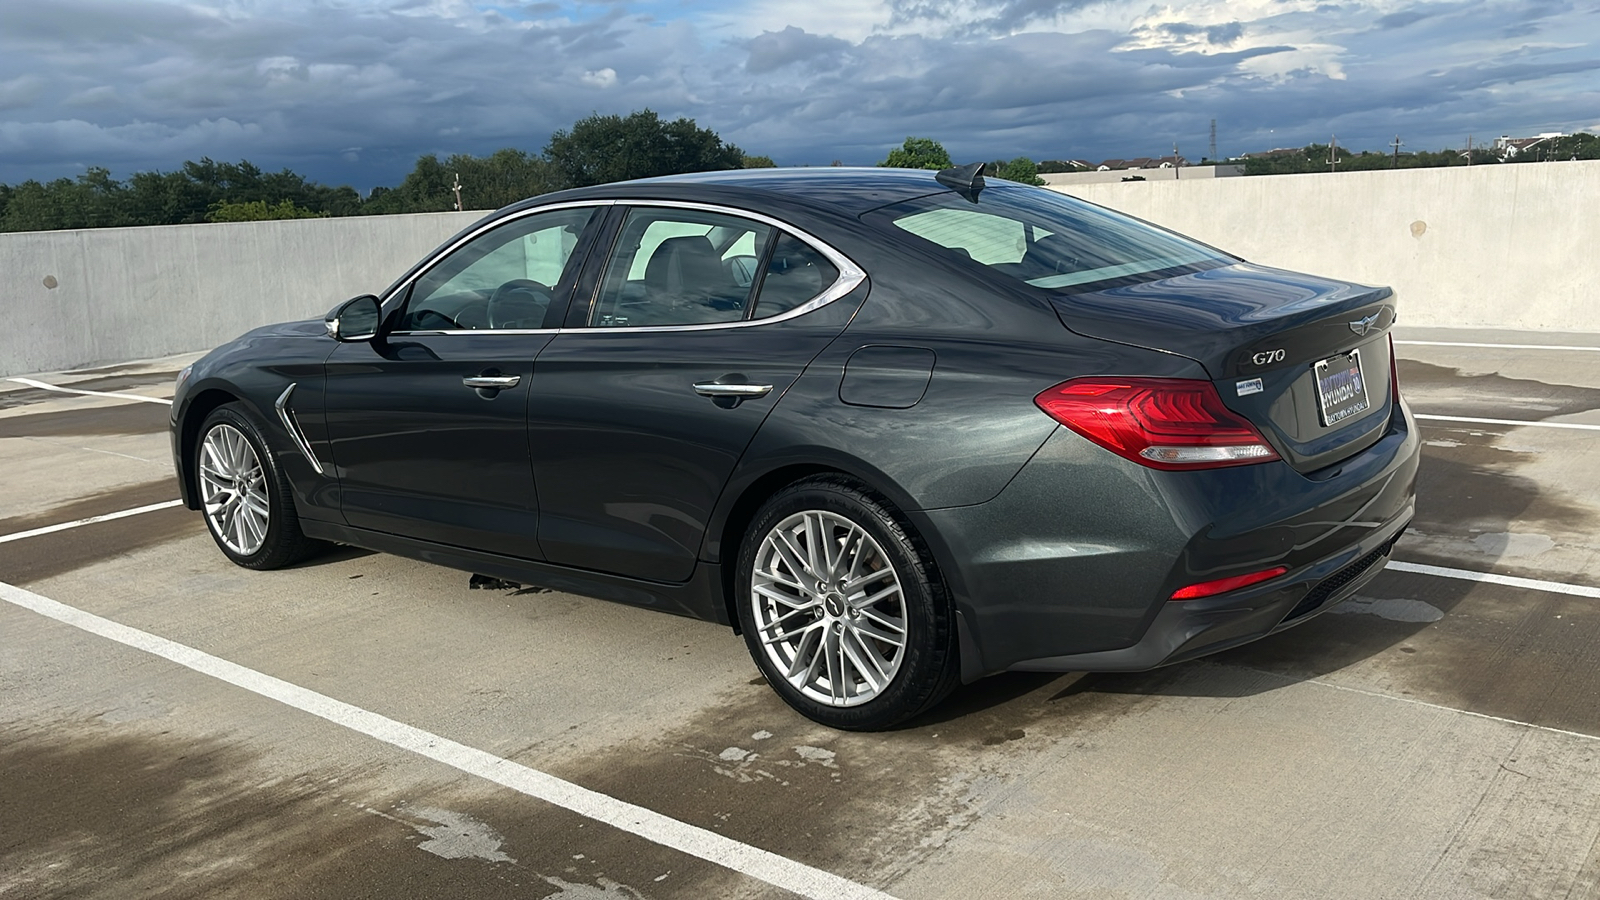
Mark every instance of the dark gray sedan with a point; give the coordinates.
(900, 430)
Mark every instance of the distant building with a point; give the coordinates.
(1508, 147)
(1142, 162)
(1273, 154)
(1058, 166)
(1155, 173)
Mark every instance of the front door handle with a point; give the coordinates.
(492, 382)
(740, 391)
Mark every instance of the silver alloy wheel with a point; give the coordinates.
(233, 489)
(828, 607)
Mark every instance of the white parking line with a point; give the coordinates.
(1498, 346)
(1532, 584)
(1521, 423)
(46, 386)
(121, 514)
(779, 871)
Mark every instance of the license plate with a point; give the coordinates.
(1340, 388)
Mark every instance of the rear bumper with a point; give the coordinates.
(1191, 628)
(1070, 567)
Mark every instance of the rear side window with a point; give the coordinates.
(1046, 239)
(680, 267)
(795, 273)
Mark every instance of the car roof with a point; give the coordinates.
(839, 190)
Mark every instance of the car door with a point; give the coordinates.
(642, 405)
(428, 422)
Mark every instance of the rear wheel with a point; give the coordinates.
(842, 609)
(245, 496)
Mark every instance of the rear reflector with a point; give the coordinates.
(1163, 423)
(1224, 585)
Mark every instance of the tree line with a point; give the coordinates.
(594, 150)
(1326, 158)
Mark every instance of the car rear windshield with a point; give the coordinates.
(1046, 239)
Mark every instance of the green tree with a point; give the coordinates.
(918, 153)
(602, 149)
(500, 178)
(425, 189)
(759, 162)
(1021, 170)
(258, 211)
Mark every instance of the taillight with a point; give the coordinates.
(1224, 585)
(1163, 423)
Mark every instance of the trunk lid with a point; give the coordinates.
(1260, 333)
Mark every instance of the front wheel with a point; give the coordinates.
(244, 495)
(842, 609)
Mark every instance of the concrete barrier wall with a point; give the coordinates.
(1507, 246)
(131, 293)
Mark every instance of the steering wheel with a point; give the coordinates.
(519, 303)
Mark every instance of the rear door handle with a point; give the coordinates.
(492, 382)
(742, 391)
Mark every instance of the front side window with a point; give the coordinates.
(680, 267)
(504, 278)
(1046, 239)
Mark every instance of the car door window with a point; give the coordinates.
(503, 279)
(679, 267)
(795, 273)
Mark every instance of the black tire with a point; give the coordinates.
(283, 543)
(925, 666)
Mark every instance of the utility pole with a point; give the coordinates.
(1333, 153)
(1213, 141)
(1469, 149)
(1397, 145)
(1175, 173)
(457, 188)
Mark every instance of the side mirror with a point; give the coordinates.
(355, 319)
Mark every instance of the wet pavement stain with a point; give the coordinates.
(1447, 391)
(1527, 656)
(34, 559)
(11, 399)
(1474, 489)
(125, 417)
(91, 811)
(865, 806)
(127, 497)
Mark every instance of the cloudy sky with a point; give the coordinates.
(352, 91)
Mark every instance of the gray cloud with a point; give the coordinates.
(980, 16)
(356, 91)
(776, 49)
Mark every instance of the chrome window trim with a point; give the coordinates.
(850, 275)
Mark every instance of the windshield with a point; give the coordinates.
(1046, 239)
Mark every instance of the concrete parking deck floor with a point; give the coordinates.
(1436, 737)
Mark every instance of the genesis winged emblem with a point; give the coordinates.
(1362, 326)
